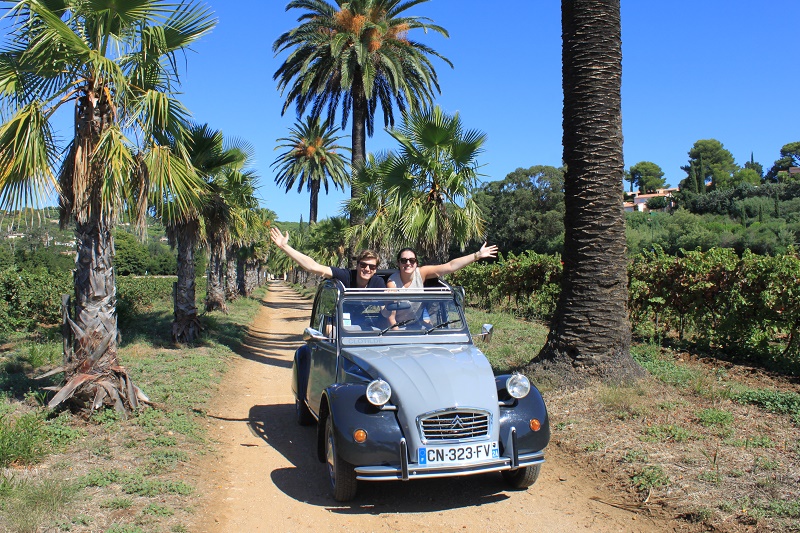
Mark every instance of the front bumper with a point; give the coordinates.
(408, 471)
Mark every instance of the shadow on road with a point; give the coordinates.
(307, 479)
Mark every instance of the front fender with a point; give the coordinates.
(519, 414)
(300, 369)
(348, 405)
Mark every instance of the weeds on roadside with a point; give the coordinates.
(22, 438)
(624, 402)
(650, 477)
(667, 432)
(29, 505)
(714, 417)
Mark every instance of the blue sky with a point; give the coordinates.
(723, 69)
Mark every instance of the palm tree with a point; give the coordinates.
(208, 156)
(310, 159)
(431, 180)
(115, 62)
(356, 53)
(374, 205)
(226, 215)
(591, 329)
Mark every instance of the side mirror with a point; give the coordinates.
(486, 332)
(311, 334)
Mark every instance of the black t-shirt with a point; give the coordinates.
(348, 279)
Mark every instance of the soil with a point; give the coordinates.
(264, 474)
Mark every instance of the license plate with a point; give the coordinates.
(465, 453)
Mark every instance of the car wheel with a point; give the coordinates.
(302, 414)
(342, 474)
(521, 478)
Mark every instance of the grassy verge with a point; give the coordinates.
(726, 438)
(64, 473)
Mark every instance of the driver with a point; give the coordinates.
(360, 278)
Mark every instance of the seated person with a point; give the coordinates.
(363, 277)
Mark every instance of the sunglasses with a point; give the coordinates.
(362, 264)
(408, 260)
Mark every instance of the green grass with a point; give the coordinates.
(770, 400)
(514, 342)
(30, 505)
(666, 433)
(663, 367)
(23, 439)
(714, 417)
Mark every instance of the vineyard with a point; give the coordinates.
(747, 306)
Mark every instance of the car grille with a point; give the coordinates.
(454, 425)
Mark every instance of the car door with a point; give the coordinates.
(322, 371)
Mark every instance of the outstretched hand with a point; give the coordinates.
(279, 238)
(487, 251)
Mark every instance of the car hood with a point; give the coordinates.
(425, 378)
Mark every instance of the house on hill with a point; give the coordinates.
(638, 201)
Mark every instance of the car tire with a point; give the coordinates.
(302, 414)
(341, 473)
(521, 478)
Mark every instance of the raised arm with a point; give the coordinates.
(435, 271)
(305, 262)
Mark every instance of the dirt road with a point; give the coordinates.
(264, 475)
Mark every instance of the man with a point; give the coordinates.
(363, 276)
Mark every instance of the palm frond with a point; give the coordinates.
(27, 154)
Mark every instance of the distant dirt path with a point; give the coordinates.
(264, 475)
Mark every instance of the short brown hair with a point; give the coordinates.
(369, 254)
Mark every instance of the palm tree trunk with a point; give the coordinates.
(186, 326)
(312, 215)
(93, 375)
(232, 274)
(591, 329)
(359, 152)
(215, 287)
(250, 276)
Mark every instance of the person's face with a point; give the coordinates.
(366, 269)
(407, 261)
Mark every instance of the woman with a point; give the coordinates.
(412, 276)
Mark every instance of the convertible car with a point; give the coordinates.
(398, 391)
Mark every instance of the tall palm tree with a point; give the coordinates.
(208, 156)
(115, 62)
(591, 329)
(357, 53)
(310, 160)
(431, 180)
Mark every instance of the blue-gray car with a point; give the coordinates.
(399, 391)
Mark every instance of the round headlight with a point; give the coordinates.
(378, 392)
(518, 386)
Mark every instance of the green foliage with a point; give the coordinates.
(667, 432)
(31, 298)
(747, 305)
(27, 505)
(138, 294)
(647, 176)
(22, 438)
(771, 400)
(714, 417)
(650, 477)
(526, 285)
(527, 210)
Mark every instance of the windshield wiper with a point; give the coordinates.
(443, 324)
(399, 324)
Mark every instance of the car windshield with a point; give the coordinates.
(416, 314)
